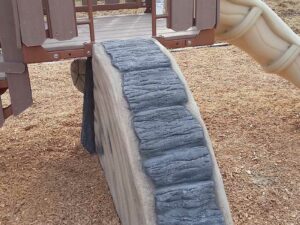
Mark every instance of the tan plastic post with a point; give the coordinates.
(252, 26)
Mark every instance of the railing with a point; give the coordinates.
(112, 5)
(34, 53)
(24, 29)
(202, 15)
(61, 25)
(90, 20)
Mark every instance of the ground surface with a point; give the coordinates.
(253, 119)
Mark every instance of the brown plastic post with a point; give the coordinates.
(154, 18)
(91, 20)
(19, 84)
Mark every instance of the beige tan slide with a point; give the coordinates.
(252, 26)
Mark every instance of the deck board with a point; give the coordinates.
(114, 27)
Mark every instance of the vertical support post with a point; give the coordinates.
(19, 84)
(154, 27)
(91, 20)
(169, 13)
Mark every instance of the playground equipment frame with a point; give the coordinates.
(39, 54)
(22, 42)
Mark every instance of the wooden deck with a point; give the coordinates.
(115, 27)
(112, 28)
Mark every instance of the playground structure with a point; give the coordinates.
(251, 25)
(38, 31)
(44, 37)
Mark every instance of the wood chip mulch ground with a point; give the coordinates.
(253, 120)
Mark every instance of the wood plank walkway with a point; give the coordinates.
(112, 28)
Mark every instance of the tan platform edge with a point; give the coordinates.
(252, 26)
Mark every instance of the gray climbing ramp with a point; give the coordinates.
(152, 142)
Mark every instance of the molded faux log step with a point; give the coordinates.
(152, 142)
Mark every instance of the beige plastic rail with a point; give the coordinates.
(252, 26)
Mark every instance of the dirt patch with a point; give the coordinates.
(253, 119)
(45, 175)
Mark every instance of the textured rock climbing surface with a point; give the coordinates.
(171, 140)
